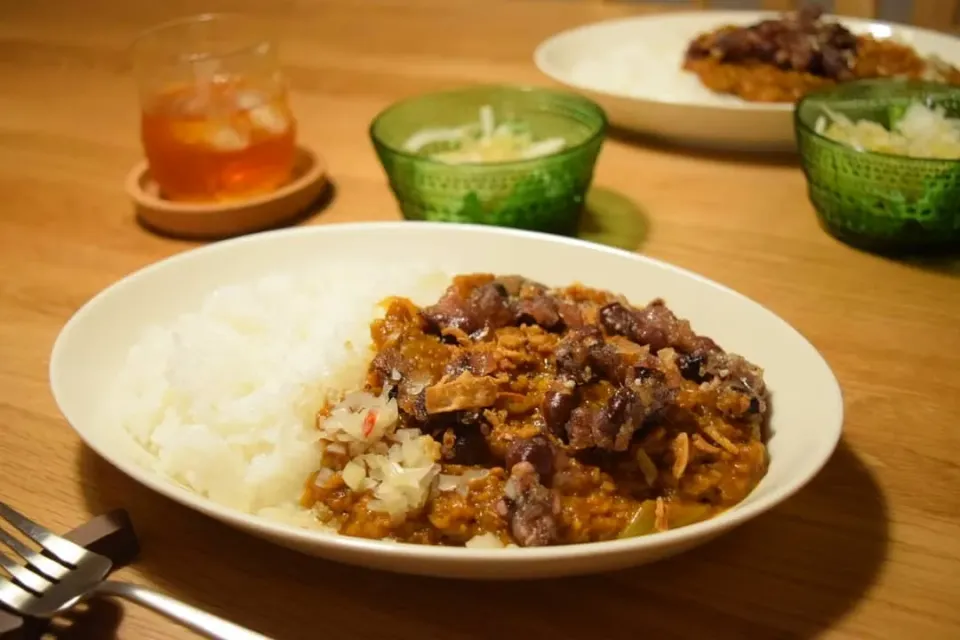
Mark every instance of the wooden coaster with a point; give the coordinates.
(218, 220)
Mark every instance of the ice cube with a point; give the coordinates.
(224, 137)
(269, 118)
(249, 100)
(192, 103)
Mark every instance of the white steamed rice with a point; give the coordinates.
(225, 397)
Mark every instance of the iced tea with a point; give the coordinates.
(219, 140)
(216, 124)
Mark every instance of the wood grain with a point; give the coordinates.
(936, 14)
(857, 8)
(871, 549)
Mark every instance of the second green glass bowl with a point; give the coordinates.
(878, 201)
(540, 194)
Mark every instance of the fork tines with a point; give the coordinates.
(41, 583)
(64, 550)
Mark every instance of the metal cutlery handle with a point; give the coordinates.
(200, 621)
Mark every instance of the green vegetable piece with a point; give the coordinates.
(642, 522)
(681, 515)
(895, 114)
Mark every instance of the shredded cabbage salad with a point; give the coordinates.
(483, 141)
(920, 132)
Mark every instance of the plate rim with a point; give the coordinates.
(334, 542)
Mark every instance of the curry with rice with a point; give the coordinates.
(783, 59)
(509, 413)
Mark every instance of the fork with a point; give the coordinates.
(46, 585)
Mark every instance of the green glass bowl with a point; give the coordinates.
(877, 201)
(540, 194)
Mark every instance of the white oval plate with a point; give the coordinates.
(633, 68)
(807, 408)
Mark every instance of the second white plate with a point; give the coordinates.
(633, 68)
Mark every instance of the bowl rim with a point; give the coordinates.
(599, 133)
(800, 125)
(384, 549)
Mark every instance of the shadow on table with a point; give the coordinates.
(947, 264)
(94, 620)
(790, 573)
(612, 219)
(942, 259)
(776, 158)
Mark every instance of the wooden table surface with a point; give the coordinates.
(871, 549)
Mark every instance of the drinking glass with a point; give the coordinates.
(215, 121)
